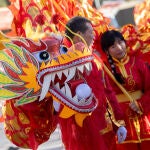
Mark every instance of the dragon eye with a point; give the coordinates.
(63, 49)
(42, 56)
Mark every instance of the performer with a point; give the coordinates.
(128, 77)
(96, 132)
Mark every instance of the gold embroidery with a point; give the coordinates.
(7, 110)
(118, 123)
(135, 95)
(137, 127)
(23, 119)
(131, 82)
(14, 123)
(121, 66)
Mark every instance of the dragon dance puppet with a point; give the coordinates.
(31, 78)
(37, 74)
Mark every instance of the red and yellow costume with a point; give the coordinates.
(97, 131)
(29, 125)
(136, 75)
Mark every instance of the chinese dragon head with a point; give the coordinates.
(39, 80)
(37, 76)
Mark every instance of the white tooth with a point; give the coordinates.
(90, 64)
(75, 98)
(81, 68)
(68, 92)
(45, 86)
(57, 86)
(53, 76)
(56, 105)
(65, 72)
(63, 90)
(87, 66)
(71, 74)
(59, 74)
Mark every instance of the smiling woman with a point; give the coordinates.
(131, 74)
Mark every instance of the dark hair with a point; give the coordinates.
(107, 39)
(76, 24)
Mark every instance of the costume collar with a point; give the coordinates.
(124, 60)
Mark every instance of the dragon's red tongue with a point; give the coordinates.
(74, 84)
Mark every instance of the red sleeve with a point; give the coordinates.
(94, 80)
(108, 91)
(110, 94)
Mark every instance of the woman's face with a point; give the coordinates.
(118, 49)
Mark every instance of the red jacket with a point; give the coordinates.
(136, 75)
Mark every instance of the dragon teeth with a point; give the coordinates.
(45, 86)
(59, 74)
(88, 66)
(81, 68)
(66, 72)
(72, 72)
(68, 92)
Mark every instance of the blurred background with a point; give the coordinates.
(119, 11)
(4, 3)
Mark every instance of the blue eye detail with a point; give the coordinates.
(42, 56)
(63, 49)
